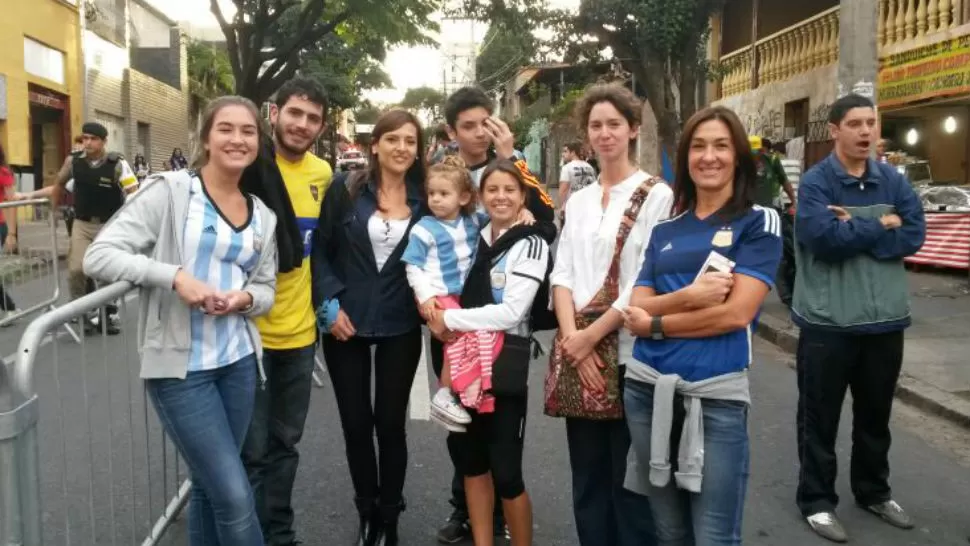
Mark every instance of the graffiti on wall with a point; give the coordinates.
(769, 124)
(818, 123)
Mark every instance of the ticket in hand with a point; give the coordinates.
(715, 263)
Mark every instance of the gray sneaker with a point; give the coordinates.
(827, 526)
(892, 513)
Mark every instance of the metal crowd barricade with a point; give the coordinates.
(30, 278)
(83, 458)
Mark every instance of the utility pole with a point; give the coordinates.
(858, 50)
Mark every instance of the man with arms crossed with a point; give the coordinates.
(289, 331)
(857, 219)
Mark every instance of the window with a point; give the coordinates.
(43, 62)
(144, 140)
(796, 119)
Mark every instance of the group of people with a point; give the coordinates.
(253, 255)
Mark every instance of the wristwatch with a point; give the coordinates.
(657, 328)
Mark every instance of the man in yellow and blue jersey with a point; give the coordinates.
(288, 332)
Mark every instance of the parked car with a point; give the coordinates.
(351, 160)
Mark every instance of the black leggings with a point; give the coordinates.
(493, 443)
(395, 362)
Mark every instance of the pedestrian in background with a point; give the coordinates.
(178, 161)
(693, 329)
(598, 258)
(8, 231)
(575, 174)
(206, 265)
(364, 302)
(857, 219)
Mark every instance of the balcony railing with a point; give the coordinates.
(904, 20)
(814, 42)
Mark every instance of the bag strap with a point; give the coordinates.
(637, 199)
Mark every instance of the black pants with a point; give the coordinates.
(606, 513)
(493, 443)
(458, 499)
(828, 363)
(269, 453)
(395, 362)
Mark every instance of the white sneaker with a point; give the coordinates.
(447, 405)
(444, 422)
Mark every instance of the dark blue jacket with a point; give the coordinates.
(378, 303)
(850, 275)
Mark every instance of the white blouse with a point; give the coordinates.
(385, 236)
(588, 241)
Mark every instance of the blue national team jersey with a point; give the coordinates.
(678, 249)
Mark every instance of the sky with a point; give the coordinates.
(408, 67)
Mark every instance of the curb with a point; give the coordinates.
(784, 335)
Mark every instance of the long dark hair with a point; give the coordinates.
(3, 157)
(388, 122)
(745, 170)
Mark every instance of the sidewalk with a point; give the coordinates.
(936, 367)
(34, 238)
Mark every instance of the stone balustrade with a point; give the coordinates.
(814, 42)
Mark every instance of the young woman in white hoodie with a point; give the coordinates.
(204, 255)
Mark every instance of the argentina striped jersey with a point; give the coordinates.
(222, 256)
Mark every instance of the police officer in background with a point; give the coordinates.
(102, 182)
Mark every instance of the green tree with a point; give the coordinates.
(660, 43)
(210, 75)
(268, 40)
(424, 99)
(367, 113)
(505, 49)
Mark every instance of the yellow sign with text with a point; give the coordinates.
(930, 71)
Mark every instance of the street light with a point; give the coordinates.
(950, 125)
(912, 137)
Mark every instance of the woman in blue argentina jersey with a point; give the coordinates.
(693, 329)
(203, 253)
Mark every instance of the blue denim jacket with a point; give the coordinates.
(378, 303)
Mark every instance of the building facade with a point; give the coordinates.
(137, 79)
(780, 74)
(41, 86)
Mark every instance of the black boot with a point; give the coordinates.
(389, 516)
(368, 531)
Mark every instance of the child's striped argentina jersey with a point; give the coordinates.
(439, 255)
(222, 256)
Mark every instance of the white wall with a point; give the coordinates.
(147, 30)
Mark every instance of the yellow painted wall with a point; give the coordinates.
(55, 23)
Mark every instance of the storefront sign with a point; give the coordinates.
(931, 71)
(41, 98)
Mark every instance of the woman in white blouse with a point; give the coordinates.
(598, 259)
(511, 262)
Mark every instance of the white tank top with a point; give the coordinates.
(385, 236)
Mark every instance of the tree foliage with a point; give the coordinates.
(268, 41)
(505, 49)
(424, 99)
(367, 113)
(210, 75)
(344, 71)
(660, 43)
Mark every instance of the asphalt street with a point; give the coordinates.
(95, 428)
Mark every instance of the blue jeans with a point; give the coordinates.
(207, 415)
(713, 516)
(269, 453)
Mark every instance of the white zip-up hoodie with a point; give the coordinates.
(142, 244)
